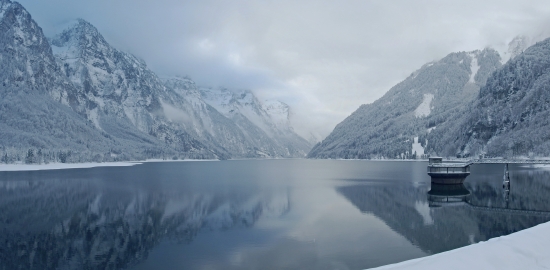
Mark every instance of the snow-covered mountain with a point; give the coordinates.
(90, 101)
(463, 105)
(271, 117)
(510, 116)
(239, 136)
(398, 124)
(124, 98)
(256, 134)
(39, 108)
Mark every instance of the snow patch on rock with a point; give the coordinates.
(474, 67)
(424, 108)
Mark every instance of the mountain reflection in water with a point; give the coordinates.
(439, 218)
(256, 214)
(70, 224)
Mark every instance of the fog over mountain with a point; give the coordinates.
(81, 99)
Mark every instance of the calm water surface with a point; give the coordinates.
(254, 214)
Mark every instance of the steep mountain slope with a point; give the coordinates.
(397, 125)
(209, 124)
(35, 99)
(270, 119)
(512, 114)
(125, 99)
(26, 58)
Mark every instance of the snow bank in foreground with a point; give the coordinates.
(59, 166)
(527, 249)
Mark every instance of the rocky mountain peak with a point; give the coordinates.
(80, 34)
(4, 4)
(26, 59)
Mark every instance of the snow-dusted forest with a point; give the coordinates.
(466, 104)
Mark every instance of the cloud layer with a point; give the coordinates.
(324, 58)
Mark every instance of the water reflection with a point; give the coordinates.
(421, 214)
(292, 214)
(68, 224)
(447, 195)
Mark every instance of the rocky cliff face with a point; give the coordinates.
(39, 108)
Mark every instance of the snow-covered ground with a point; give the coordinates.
(527, 249)
(178, 160)
(60, 166)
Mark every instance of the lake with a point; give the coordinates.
(256, 214)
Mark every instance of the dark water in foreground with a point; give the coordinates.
(253, 214)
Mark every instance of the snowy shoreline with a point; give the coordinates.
(63, 166)
(526, 249)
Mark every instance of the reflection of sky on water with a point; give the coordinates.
(322, 230)
(269, 214)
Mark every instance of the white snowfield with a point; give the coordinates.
(527, 249)
(424, 108)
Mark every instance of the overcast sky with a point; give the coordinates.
(324, 58)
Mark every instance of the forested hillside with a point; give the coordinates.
(397, 125)
(511, 115)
